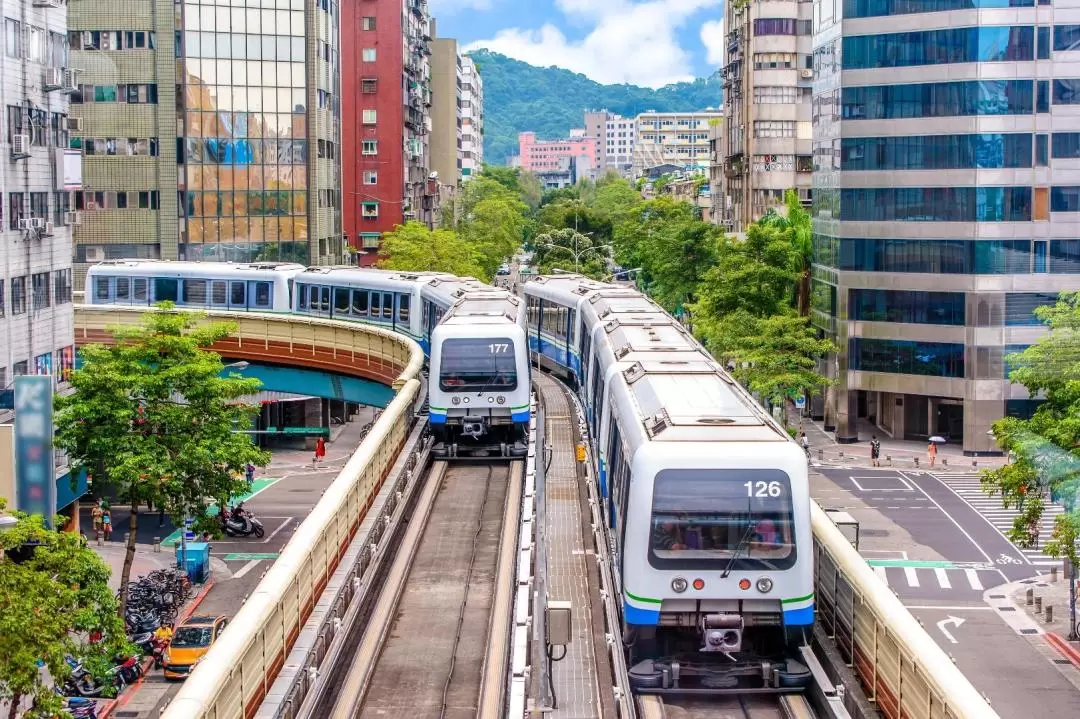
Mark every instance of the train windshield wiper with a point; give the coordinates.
(751, 525)
(490, 382)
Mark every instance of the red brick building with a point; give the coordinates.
(385, 121)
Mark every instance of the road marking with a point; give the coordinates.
(953, 608)
(249, 556)
(985, 519)
(912, 576)
(943, 578)
(882, 575)
(955, 621)
(246, 568)
(973, 579)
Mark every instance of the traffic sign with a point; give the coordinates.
(800, 402)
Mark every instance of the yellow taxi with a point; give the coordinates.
(190, 644)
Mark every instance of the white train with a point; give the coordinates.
(706, 498)
(489, 415)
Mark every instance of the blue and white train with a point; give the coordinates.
(706, 498)
(480, 409)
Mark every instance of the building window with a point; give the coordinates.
(12, 38)
(774, 60)
(368, 85)
(371, 177)
(936, 204)
(18, 295)
(367, 54)
(39, 205)
(370, 147)
(775, 95)
(369, 117)
(1042, 95)
(774, 128)
(1066, 38)
(930, 359)
(938, 99)
(939, 47)
(369, 240)
(370, 209)
(40, 285)
(369, 23)
(1042, 43)
(774, 26)
(15, 204)
(2, 303)
(62, 286)
(936, 152)
(1042, 150)
(926, 308)
(879, 8)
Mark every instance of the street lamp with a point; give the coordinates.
(578, 254)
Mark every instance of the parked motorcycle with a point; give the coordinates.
(81, 682)
(241, 523)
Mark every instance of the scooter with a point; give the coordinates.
(241, 524)
(82, 684)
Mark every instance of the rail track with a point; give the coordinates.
(435, 642)
(748, 706)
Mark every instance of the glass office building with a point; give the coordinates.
(946, 191)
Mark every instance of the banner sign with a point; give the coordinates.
(35, 481)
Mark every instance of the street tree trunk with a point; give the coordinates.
(13, 711)
(129, 557)
(804, 293)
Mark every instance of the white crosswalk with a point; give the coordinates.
(966, 484)
(951, 578)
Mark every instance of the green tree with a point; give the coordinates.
(575, 215)
(571, 251)
(54, 591)
(531, 190)
(796, 222)
(508, 177)
(153, 417)
(1046, 447)
(495, 229)
(413, 247)
(676, 261)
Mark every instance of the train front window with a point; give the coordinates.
(710, 519)
(478, 365)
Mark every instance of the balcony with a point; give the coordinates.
(418, 7)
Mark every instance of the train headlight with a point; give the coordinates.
(764, 585)
(678, 585)
(491, 400)
(456, 400)
(465, 400)
(501, 400)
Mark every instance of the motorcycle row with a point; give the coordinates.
(153, 604)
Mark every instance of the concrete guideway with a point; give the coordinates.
(953, 569)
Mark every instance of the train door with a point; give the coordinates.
(259, 296)
(238, 295)
(166, 289)
(342, 300)
(586, 356)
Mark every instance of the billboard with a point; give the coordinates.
(35, 481)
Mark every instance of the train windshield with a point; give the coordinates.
(725, 519)
(478, 365)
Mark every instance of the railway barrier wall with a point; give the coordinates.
(902, 670)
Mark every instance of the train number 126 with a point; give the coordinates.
(498, 349)
(763, 489)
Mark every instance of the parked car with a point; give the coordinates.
(190, 644)
(504, 269)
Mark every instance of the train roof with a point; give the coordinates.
(483, 306)
(193, 269)
(356, 273)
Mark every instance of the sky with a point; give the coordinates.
(643, 42)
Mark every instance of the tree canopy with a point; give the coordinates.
(1045, 447)
(570, 251)
(153, 418)
(414, 247)
(54, 592)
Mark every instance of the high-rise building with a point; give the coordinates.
(945, 201)
(446, 111)
(673, 138)
(38, 174)
(767, 108)
(386, 119)
(472, 119)
(549, 155)
(210, 128)
(615, 140)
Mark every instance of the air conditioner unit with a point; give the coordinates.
(71, 79)
(73, 218)
(95, 254)
(37, 223)
(48, 3)
(48, 230)
(74, 124)
(807, 74)
(23, 224)
(54, 78)
(20, 146)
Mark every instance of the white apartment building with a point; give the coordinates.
(472, 119)
(673, 138)
(615, 139)
(38, 174)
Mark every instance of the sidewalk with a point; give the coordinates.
(825, 451)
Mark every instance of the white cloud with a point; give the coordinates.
(630, 41)
(449, 7)
(712, 37)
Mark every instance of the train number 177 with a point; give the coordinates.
(498, 349)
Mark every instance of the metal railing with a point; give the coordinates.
(903, 671)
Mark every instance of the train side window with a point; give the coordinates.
(571, 325)
(238, 295)
(165, 290)
(194, 292)
(595, 400)
(101, 288)
(123, 289)
(403, 308)
(359, 303)
(376, 305)
(138, 287)
(388, 306)
(218, 292)
(324, 299)
(302, 298)
(341, 300)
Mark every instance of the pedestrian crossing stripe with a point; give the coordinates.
(946, 579)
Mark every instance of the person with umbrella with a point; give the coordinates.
(931, 451)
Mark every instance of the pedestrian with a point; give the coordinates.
(106, 523)
(805, 442)
(320, 448)
(931, 452)
(95, 516)
(875, 451)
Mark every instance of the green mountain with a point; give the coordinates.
(550, 101)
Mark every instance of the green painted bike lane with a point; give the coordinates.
(257, 487)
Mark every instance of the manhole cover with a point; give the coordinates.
(997, 596)
(126, 714)
(1062, 661)
(301, 490)
(1032, 631)
(1006, 609)
(874, 532)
